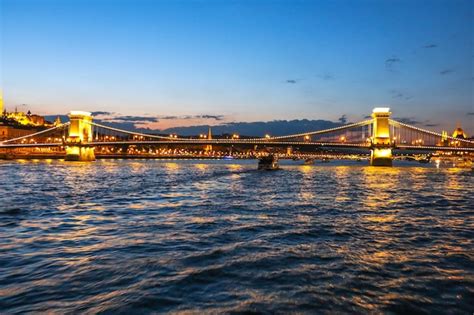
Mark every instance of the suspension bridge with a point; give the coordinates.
(81, 136)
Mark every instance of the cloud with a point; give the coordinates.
(408, 120)
(446, 71)
(343, 119)
(101, 113)
(189, 117)
(391, 62)
(413, 121)
(215, 117)
(132, 119)
(130, 126)
(326, 76)
(400, 95)
(430, 46)
(470, 114)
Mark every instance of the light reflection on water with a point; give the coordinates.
(218, 236)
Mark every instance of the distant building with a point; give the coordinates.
(57, 121)
(459, 133)
(37, 120)
(208, 148)
(19, 124)
(25, 119)
(10, 132)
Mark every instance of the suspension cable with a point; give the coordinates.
(394, 122)
(133, 132)
(36, 133)
(359, 124)
(354, 125)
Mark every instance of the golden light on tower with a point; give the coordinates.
(80, 128)
(381, 127)
(381, 152)
(80, 133)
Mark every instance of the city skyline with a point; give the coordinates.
(168, 64)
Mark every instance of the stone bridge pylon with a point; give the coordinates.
(381, 149)
(80, 134)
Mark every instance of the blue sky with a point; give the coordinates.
(241, 60)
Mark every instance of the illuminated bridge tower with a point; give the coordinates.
(381, 151)
(80, 134)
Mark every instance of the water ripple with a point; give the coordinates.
(220, 237)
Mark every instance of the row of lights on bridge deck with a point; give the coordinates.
(308, 138)
(204, 136)
(53, 139)
(49, 140)
(418, 142)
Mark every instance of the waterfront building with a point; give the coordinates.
(9, 132)
(19, 124)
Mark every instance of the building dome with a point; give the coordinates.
(459, 133)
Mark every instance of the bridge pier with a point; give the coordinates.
(80, 133)
(381, 157)
(381, 151)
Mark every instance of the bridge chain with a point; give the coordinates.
(35, 134)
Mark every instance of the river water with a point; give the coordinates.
(146, 236)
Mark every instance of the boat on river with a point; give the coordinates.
(268, 163)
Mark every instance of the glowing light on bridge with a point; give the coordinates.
(80, 113)
(379, 110)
